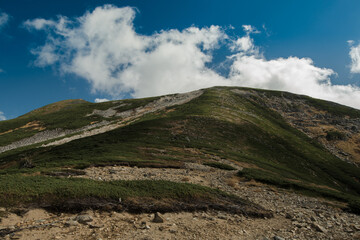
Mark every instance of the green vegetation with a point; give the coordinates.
(221, 123)
(334, 108)
(274, 179)
(335, 135)
(219, 165)
(354, 206)
(301, 187)
(68, 114)
(330, 107)
(16, 189)
(75, 194)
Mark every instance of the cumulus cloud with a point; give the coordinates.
(355, 57)
(4, 18)
(103, 47)
(298, 75)
(2, 116)
(100, 100)
(245, 44)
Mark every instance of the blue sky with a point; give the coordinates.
(158, 47)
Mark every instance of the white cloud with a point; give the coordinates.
(244, 44)
(2, 116)
(103, 47)
(298, 75)
(100, 100)
(350, 42)
(46, 55)
(4, 18)
(38, 23)
(355, 57)
(250, 29)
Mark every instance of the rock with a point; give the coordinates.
(157, 218)
(356, 227)
(222, 216)
(15, 236)
(146, 238)
(319, 228)
(83, 218)
(144, 225)
(354, 128)
(172, 230)
(161, 228)
(278, 238)
(95, 226)
(71, 223)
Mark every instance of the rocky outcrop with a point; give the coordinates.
(317, 124)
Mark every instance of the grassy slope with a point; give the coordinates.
(68, 114)
(220, 123)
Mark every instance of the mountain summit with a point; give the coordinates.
(279, 139)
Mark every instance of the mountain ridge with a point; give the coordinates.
(259, 120)
(255, 147)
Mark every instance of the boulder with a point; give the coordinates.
(158, 218)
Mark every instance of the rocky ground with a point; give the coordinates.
(316, 124)
(295, 217)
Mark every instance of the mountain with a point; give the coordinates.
(290, 141)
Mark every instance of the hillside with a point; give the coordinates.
(279, 139)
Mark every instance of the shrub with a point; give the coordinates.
(335, 135)
(354, 206)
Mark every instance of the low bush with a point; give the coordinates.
(335, 135)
